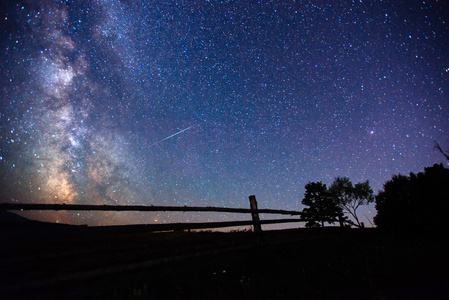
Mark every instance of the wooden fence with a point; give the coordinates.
(254, 211)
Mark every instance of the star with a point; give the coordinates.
(206, 103)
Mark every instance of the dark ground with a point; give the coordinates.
(41, 261)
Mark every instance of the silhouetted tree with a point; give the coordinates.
(415, 203)
(438, 147)
(321, 207)
(349, 197)
(393, 203)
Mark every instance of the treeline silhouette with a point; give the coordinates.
(341, 197)
(413, 204)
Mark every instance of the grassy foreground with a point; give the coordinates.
(129, 263)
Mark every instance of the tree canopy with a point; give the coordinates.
(415, 203)
(350, 197)
(321, 206)
(341, 197)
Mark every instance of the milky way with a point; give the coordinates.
(205, 103)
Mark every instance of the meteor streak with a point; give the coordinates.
(174, 134)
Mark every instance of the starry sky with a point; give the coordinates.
(203, 103)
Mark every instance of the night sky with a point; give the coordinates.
(205, 103)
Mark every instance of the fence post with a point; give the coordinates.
(255, 215)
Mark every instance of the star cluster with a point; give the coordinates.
(205, 103)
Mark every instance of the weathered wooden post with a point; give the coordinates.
(255, 215)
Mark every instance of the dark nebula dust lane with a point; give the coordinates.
(205, 103)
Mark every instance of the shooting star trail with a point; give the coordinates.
(174, 134)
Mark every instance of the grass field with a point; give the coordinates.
(69, 262)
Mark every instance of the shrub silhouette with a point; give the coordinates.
(418, 203)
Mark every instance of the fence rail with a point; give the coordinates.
(254, 211)
(82, 207)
